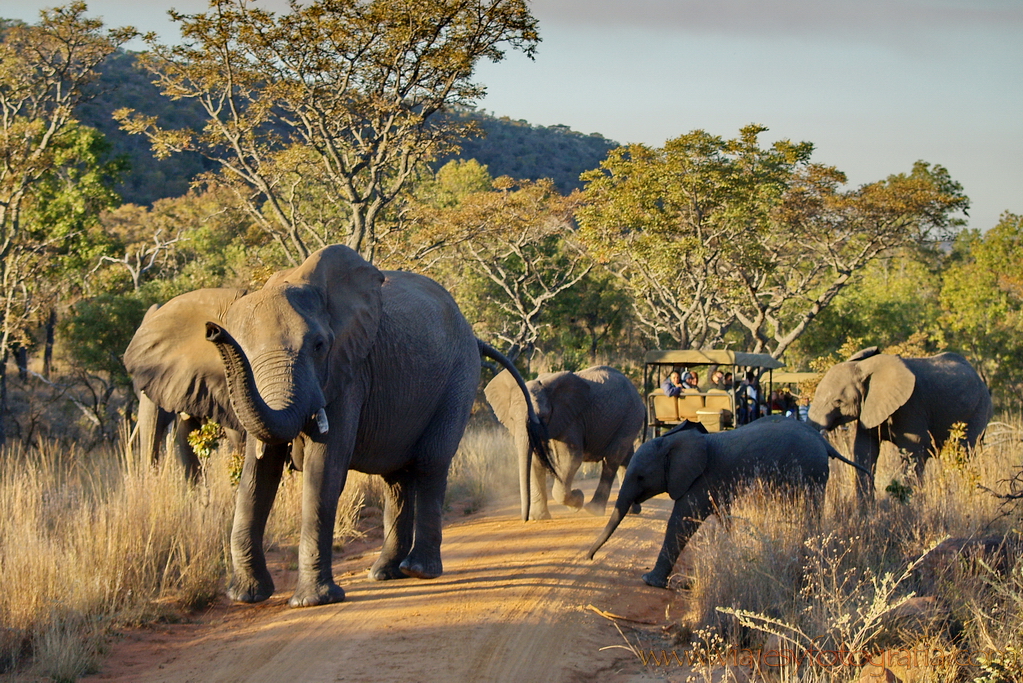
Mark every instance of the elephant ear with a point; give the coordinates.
(685, 426)
(506, 399)
(864, 353)
(350, 288)
(687, 461)
(888, 384)
(171, 362)
(568, 394)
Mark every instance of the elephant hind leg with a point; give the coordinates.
(598, 502)
(562, 489)
(398, 527)
(538, 492)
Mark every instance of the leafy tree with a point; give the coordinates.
(591, 318)
(885, 303)
(331, 105)
(98, 331)
(507, 253)
(179, 244)
(122, 83)
(44, 71)
(982, 304)
(716, 237)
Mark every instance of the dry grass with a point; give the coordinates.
(94, 540)
(285, 522)
(774, 572)
(484, 468)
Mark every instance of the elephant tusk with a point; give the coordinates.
(321, 421)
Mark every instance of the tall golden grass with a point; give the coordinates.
(773, 572)
(91, 540)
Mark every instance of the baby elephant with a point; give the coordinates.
(699, 470)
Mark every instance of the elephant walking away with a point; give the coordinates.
(699, 471)
(593, 415)
(911, 402)
(358, 369)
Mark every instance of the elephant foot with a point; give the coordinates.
(418, 568)
(595, 508)
(537, 516)
(251, 589)
(386, 572)
(635, 509)
(574, 499)
(317, 594)
(655, 579)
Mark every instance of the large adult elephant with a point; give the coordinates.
(183, 406)
(591, 416)
(700, 471)
(911, 402)
(359, 369)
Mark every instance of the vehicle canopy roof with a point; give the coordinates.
(794, 377)
(712, 357)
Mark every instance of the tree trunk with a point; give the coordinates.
(51, 332)
(21, 360)
(3, 397)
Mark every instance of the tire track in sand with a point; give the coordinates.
(509, 607)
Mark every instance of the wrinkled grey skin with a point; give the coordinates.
(591, 416)
(387, 357)
(700, 471)
(912, 402)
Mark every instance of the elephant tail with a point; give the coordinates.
(832, 453)
(539, 440)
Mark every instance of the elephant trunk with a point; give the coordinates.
(267, 424)
(617, 515)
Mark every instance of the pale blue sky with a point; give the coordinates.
(874, 84)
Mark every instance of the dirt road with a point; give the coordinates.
(512, 605)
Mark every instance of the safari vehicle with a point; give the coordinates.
(792, 381)
(714, 408)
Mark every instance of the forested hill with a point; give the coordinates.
(521, 150)
(513, 148)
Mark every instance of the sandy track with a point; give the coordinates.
(511, 606)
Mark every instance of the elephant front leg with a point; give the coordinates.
(866, 447)
(153, 422)
(257, 489)
(324, 472)
(685, 519)
(186, 454)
